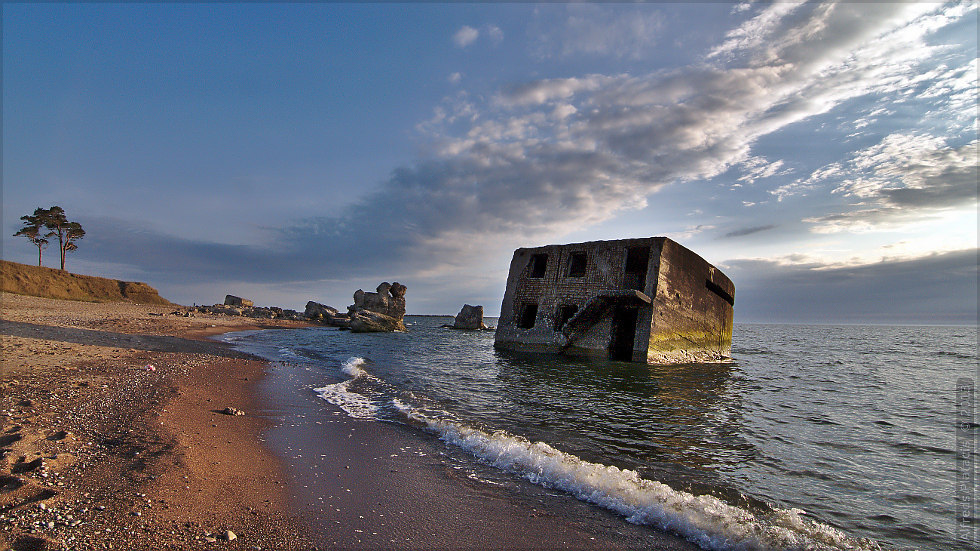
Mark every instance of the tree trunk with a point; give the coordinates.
(39, 255)
(61, 247)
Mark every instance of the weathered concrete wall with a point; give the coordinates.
(603, 271)
(692, 310)
(703, 327)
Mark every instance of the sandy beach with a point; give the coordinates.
(111, 434)
(113, 437)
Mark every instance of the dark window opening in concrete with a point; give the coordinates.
(564, 314)
(577, 264)
(635, 276)
(623, 334)
(716, 289)
(528, 313)
(539, 265)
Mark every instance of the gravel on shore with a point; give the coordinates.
(113, 436)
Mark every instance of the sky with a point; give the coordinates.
(823, 155)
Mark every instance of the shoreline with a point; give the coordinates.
(369, 484)
(102, 451)
(111, 434)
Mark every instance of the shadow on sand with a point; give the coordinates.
(149, 343)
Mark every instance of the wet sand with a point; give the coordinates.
(366, 485)
(100, 450)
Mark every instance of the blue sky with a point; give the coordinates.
(823, 155)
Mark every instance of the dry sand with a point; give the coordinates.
(100, 450)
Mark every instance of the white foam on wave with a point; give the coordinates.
(353, 367)
(705, 520)
(339, 394)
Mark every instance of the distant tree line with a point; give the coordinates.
(45, 223)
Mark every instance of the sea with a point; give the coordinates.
(813, 437)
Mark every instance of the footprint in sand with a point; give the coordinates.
(9, 439)
(27, 466)
(60, 435)
(9, 483)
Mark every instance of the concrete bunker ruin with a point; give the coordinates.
(642, 300)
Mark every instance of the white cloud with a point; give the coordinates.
(544, 91)
(821, 258)
(689, 232)
(756, 168)
(755, 31)
(903, 178)
(620, 31)
(455, 78)
(465, 36)
(495, 33)
(563, 111)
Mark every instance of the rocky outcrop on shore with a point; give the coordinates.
(232, 300)
(258, 312)
(321, 313)
(381, 311)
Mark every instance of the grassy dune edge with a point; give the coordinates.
(38, 281)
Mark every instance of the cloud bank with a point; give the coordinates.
(937, 289)
(545, 157)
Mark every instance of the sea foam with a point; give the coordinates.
(705, 520)
(352, 403)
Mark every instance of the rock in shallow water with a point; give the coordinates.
(383, 311)
(469, 317)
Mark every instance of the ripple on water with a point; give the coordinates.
(837, 421)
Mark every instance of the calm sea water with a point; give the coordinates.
(816, 437)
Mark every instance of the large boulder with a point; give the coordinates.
(366, 321)
(469, 317)
(317, 311)
(326, 315)
(232, 300)
(381, 311)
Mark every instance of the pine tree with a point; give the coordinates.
(32, 230)
(67, 232)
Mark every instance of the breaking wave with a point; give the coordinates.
(340, 394)
(704, 520)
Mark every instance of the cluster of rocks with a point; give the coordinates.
(237, 306)
(380, 311)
